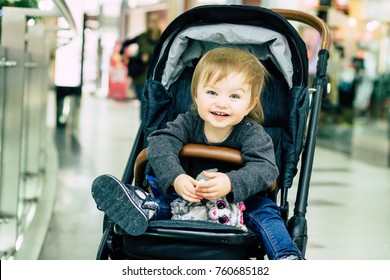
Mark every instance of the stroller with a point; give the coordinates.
(291, 116)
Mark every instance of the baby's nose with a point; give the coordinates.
(222, 102)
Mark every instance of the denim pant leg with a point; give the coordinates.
(138, 90)
(262, 215)
(164, 206)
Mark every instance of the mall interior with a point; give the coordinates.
(69, 113)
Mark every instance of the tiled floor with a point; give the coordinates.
(348, 213)
(100, 144)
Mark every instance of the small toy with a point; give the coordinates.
(216, 211)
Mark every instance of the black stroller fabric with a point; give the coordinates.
(180, 244)
(286, 105)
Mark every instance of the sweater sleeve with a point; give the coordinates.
(259, 171)
(128, 42)
(164, 149)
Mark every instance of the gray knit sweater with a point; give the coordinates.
(258, 173)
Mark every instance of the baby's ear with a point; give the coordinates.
(252, 105)
(255, 101)
(241, 206)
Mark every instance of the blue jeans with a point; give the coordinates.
(262, 215)
(138, 90)
(163, 212)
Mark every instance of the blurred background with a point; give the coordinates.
(69, 112)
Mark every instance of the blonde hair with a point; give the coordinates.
(220, 62)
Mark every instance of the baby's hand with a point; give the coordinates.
(218, 186)
(185, 187)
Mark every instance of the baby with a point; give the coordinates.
(226, 89)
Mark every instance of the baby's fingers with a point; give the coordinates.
(212, 196)
(210, 174)
(191, 197)
(206, 184)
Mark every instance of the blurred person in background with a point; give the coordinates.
(138, 64)
(365, 84)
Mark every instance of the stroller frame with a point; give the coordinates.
(113, 243)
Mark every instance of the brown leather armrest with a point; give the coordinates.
(225, 154)
(212, 152)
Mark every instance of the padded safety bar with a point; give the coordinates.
(311, 20)
(200, 151)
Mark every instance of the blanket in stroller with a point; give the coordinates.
(216, 211)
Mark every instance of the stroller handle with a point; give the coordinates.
(200, 151)
(311, 20)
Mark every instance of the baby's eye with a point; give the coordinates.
(235, 96)
(211, 92)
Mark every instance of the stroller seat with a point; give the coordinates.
(168, 234)
(175, 240)
(290, 120)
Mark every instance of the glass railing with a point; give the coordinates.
(29, 36)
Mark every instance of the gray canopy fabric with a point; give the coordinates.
(195, 41)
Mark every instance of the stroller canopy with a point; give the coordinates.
(262, 32)
(193, 42)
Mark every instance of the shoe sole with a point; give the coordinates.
(112, 198)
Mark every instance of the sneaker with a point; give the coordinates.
(128, 206)
(290, 258)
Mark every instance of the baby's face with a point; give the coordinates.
(224, 103)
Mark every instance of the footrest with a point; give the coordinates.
(198, 231)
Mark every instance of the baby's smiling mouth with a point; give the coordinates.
(221, 114)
